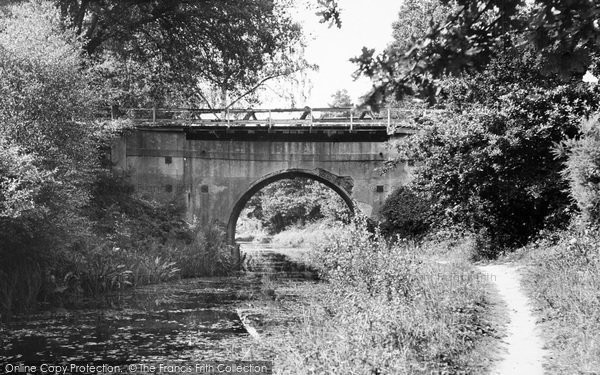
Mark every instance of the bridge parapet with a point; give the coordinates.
(347, 118)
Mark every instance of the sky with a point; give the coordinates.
(364, 23)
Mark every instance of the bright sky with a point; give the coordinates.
(364, 23)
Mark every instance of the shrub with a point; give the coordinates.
(128, 220)
(494, 171)
(47, 100)
(130, 242)
(151, 269)
(583, 170)
(405, 214)
(488, 161)
(99, 266)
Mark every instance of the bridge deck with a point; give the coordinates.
(303, 120)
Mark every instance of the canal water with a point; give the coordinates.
(192, 319)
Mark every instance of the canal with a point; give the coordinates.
(190, 319)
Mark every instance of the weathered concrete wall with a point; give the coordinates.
(214, 176)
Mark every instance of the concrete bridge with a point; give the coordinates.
(213, 161)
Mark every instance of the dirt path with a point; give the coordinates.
(522, 345)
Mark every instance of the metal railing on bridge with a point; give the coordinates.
(349, 118)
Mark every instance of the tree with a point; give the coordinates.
(47, 135)
(340, 99)
(176, 46)
(21, 183)
(414, 21)
(564, 35)
(489, 162)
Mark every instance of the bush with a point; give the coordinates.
(405, 214)
(583, 170)
(98, 267)
(127, 220)
(495, 171)
(154, 235)
(488, 161)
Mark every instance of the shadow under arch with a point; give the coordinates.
(281, 175)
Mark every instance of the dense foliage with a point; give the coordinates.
(406, 214)
(496, 171)
(48, 155)
(488, 160)
(46, 101)
(180, 51)
(67, 227)
(414, 21)
(474, 32)
(296, 201)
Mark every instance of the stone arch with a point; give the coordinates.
(326, 178)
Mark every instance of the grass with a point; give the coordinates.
(563, 279)
(251, 230)
(386, 309)
(308, 235)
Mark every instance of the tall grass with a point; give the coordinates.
(207, 254)
(386, 310)
(308, 235)
(564, 280)
(20, 284)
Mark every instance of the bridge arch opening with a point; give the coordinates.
(277, 176)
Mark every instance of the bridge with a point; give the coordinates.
(214, 160)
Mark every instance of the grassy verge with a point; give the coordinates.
(563, 279)
(307, 235)
(386, 309)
